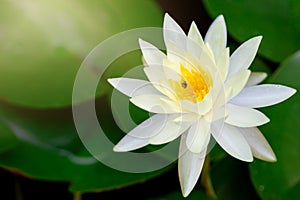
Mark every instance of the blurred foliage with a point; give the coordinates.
(281, 180)
(49, 148)
(276, 20)
(43, 44)
(234, 182)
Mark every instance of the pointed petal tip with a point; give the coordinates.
(249, 159)
(260, 147)
(186, 189)
(220, 18)
(273, 158)
(143, 44)
(125, 147)
(118, 149)
(193, 26)
(293, 91)
(264, 75)
(112, 81)
(167, 15)
(167, 18)
(245, 158)
(270, 158)
(141, 41)
(259, 37)
(185, 193)
(289, 92)
(170, 25)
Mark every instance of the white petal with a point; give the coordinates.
(210, 52)
(196, 55)
(232, 141)
(170, 71)
(216, 36)
(139, 136)
(245, 116)
(243, 56)
(169, 132)
(156, 76)
(218, 91)
(132, 87)
(186, 117)
(129, 143)
(198, 136)
(195, 35)
(189, 167)
(199, 108)
(156, 104)
(177, 55)
(223, 97)
(258, 143)
(223, 63)
(151, 54)
(173, 32)
(237, 82)
(262, 95)
(256, 78)
(216, 114)
(198, 58)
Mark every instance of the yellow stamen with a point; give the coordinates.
(196, 81)
(194, 85)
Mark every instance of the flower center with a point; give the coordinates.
(194, 85)
(196, 81)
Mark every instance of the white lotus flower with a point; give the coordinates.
(193, 89)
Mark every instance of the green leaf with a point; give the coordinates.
(50, 149)
(259, 65)
(231, 180)
(276, 20)
(281, 180)
(217, 153)
(43, 44)
(7, 138)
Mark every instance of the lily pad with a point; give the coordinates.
(43, 44)
(230, 179)
(281, 180)
(7, 139)
(49, 148)
(276, 20)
